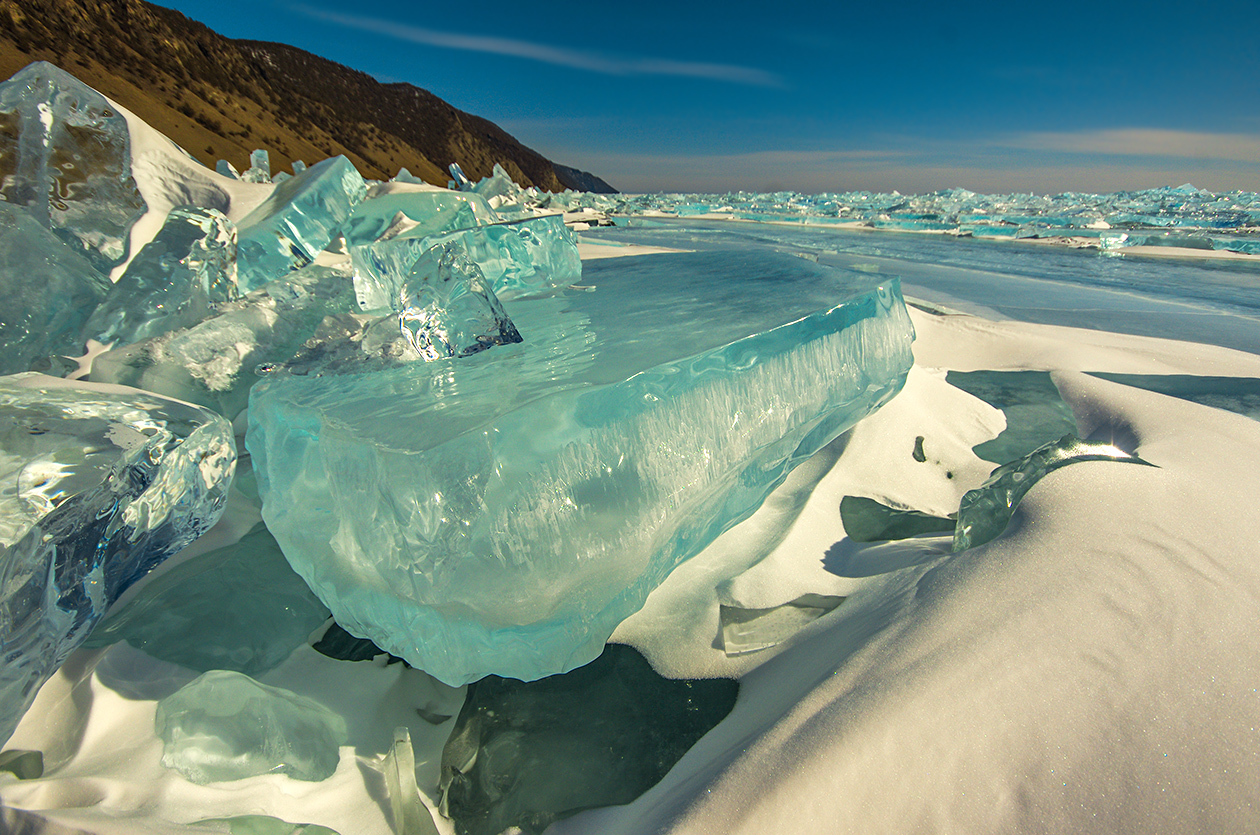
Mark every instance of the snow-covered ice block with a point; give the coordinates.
(99, 485)
(226, 726)
(49, 292)
(65, 154)
(296, 221)
(503, 512)
(175, 280)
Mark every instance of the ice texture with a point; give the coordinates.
(225, 726)
(503, 512)
(175, 280)
(213, 363)
(259, 170)
(49, 292)
(296, 222)
(408, 812)
(985, 512)
(517, 257)
(527, 754)
(100, 486)
(240, 607)
(65, 155)
(866, 520)
(751, 630)
(262, 825)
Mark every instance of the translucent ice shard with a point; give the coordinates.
(409, 813)
(866, 520)
(49, 292)
(175, 280)
(259, 170)
(527, 754)
(986, 511)
(99, 486)
(213, 363)
(297, 221)
(226, 726)
(416, 211)
(65, 155)
(503, 512)
(750, 630)
(239, 608)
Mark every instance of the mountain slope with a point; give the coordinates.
(220, 98)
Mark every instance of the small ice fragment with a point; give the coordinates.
(226, 726)
(409, 813)
(986, 511)
(751, 630)
(259, 170)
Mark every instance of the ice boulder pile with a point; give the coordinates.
(471, 451)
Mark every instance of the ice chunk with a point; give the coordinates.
(214, 362)
(175, 281)
(259, 170)
(227, 169)
(524, 755)
(423, 213)
(986, 511)
(409, 813)
(297, 221)
(504, 512)
(459, 181)
(866, 520)
(239, 608)
(49, 292)
(65, 155)
(751, 630)
(448, 310)
(226, 726)
(517, 257)
(100, 485)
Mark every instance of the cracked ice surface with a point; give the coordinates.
(503, 512)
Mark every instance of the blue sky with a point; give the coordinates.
(812, 96)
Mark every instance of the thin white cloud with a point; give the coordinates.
(1145, 142)
(558, 56)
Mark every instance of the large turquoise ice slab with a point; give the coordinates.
(65, 154)
(296, 222)
(97, 486)
(174, 281)
(49, 292)
(502, 513)
(226, 726)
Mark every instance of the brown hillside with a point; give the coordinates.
(220, 98)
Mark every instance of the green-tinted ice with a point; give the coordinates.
(226, 726)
